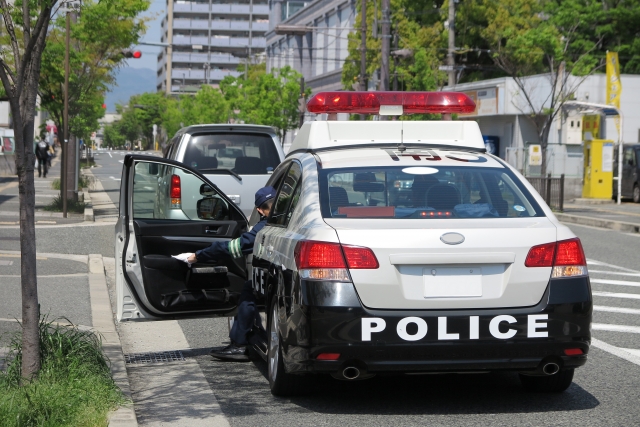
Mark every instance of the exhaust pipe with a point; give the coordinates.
(550, 368)
(351, 373)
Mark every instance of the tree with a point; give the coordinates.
(559, 40)
(270, 99)
(24, 39)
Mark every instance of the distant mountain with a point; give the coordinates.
(130, 81)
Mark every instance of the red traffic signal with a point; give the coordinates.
(128, 53)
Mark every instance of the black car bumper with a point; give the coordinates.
(377, 341)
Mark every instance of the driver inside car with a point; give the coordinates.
(247, 313)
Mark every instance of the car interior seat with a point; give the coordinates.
(249, 165)
(443, 197)
(338, 197)
(421, 184)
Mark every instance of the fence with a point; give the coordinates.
(551, 190)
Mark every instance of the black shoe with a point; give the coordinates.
(231, 352)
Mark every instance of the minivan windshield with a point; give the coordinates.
(242, 153)
(424, 193)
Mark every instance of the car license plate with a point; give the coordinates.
(452, 282)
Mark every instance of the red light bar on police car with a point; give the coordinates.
(391, 103)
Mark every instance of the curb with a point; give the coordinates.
(88, 207)
(627, 227)
(103, 322)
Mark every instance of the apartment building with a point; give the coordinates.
(208, 40)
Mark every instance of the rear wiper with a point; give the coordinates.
(215, 170)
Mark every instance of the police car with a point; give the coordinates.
(392, 247)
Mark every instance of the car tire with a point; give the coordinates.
(281, 383)
(636, 194)
(555, 383)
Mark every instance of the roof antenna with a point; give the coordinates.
(401, 147)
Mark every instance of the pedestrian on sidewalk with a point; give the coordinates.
(42, 154)
(247, 314)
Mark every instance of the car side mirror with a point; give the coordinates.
(207, 191)
(212, 208)
(153, 168)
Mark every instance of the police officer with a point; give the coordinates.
(243, 245)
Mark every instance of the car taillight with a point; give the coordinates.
(175, 192)
(566, 257)
(360, 258)
(326, 260)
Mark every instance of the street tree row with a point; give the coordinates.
(257, 97)
(561, 39)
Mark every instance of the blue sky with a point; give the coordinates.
(157, 10)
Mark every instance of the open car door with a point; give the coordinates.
(156, 221)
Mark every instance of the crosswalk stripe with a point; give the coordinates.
(616, 309)
(615, 328)
(615, 282)
(617, 351)
(617, 273)
(594, 262)
(616, 295)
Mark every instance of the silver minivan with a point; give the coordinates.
(238, 158)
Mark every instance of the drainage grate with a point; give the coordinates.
(154, 357)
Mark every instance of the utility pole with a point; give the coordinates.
(363, 47)
(451, 62)
(65, 139)
(386, 39)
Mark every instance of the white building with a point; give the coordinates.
(502, 111)
(208, 40)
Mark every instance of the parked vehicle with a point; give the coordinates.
(239, 159)
(630, 172)
(392, 247)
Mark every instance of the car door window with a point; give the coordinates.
(174, 195)
(285, 196)
(629, 159)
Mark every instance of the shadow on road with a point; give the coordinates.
(243, 393)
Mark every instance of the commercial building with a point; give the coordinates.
(208, 40)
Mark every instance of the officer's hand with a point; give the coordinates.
(192, 259)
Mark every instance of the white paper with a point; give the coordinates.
(183, 257)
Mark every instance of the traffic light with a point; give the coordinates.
(128, 53)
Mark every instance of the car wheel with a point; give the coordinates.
(281, 383)
(636, 194)
(555, 383)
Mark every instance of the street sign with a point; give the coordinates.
(535, 155)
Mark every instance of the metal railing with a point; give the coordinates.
(551, 190)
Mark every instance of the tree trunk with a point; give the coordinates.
(544, 143)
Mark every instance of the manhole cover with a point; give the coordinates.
(153, 357)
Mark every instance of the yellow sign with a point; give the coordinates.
(614, 86)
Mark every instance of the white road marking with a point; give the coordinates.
(115, 179)
(615, 328)
(594, 262)
(616, 351)
(617, 273)
(632, 351)
(615, 282)
(121, 161)
(110, 155)
(616, 309)
(616, 295)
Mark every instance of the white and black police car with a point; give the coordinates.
(393, 247)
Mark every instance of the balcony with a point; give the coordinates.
(256, 42)
(219, 25)
(201, 58)
(215, 75)
(229, 9)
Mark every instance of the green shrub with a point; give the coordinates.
(74, 386)
(83, 182)
(72, 205)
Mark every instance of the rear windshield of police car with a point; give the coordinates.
(244, 153)
(424, 193)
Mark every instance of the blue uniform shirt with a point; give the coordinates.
(236, 248)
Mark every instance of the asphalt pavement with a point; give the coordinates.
(605, 391)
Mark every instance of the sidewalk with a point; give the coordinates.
(624, 217)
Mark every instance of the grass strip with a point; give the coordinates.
(74, 386)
